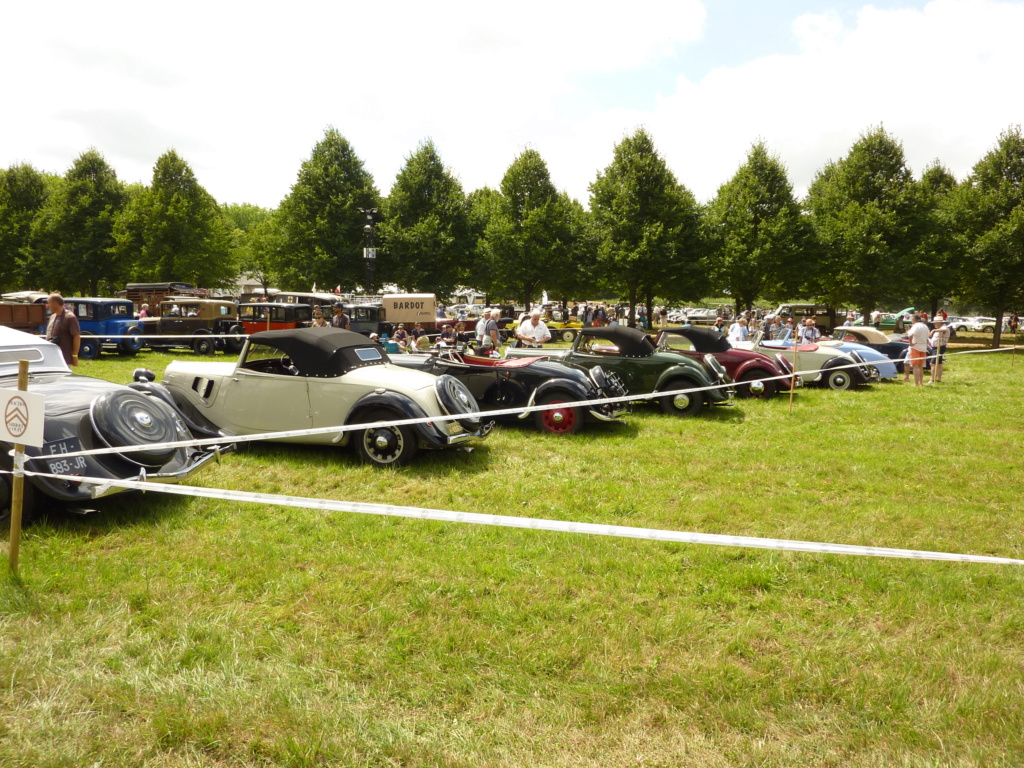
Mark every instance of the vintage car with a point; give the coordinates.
(817, 364)
(307, 378)
(527, 381)
(204, 325)
(99, 319)
(274, 316)
(631, 355)
(84, 413)
(747, 368)
(876, 340)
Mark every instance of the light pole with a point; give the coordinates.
(369, 252)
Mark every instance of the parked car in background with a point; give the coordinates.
(526, 381)
(827, 367)
(84, 413)
(23, 316)
(307, 378)
(983, 324)
(632, 356)
(100, 319)
(274, 316)
(184, 321)
(749, 369)
(892, 348)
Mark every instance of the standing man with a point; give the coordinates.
(62, 329)
(738, 331)
(876, 318)
(340, 319)
(489, 332)
(918, 338)
(532, 332)
(809, 332)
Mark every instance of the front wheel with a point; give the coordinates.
(754, 386)
(558, 421)
(838, 380)
(385, 446)
(684, 403)
(89, 347)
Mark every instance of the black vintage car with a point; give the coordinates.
(83, 413)
(633, 357)
(499, 384)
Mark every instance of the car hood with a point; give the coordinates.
(391, 376)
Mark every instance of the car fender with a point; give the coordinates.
(404, 406)
(755, 365)
(698, 372)
(572, 389)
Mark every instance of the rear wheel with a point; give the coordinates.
(754, 386)
(89, 348)
(203, 346)
(385, 446)
(558, 421)
(684, 403)
(567, 334)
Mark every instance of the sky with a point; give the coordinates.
(243, 91)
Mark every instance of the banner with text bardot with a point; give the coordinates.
(22, 420)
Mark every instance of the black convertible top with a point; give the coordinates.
(322, 351)
(632, 342)
(703, 339)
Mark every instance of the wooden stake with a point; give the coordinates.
(17, 483)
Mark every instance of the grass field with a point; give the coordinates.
(170, 631)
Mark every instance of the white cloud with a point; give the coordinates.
(244, 90)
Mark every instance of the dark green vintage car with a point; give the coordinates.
(630, 355)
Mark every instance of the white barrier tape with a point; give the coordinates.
(483, 415)
(540, 524)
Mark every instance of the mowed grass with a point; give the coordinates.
(170, 631)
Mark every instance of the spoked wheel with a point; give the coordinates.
(685, 403)
(558, 421)
(385, 446)
(754, 386)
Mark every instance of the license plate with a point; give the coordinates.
(56, 463)
(454, 428)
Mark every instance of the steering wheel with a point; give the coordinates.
(287, 366)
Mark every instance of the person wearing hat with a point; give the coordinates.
(939, 339)
(417, 335)
(340, 319)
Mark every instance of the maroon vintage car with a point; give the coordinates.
(748, 369)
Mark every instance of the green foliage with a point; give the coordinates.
(530, 232)
(321, 226)
(868, 217)
(989, 214)
(647, 226)
(23, 193)
(174, 230)
(938, 259)
(425, 230)
(756, 232)
(73, 235)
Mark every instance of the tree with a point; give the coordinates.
(988, 210)
(867, 216)
(647, 225)
(938, 256)
(174, 230)
(23, 193)
(320, 220)
(756, 232)
(528, 240)
(425, 228)
(73, 236)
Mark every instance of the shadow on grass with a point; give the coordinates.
(15, 597)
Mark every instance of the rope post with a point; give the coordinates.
(17, 482)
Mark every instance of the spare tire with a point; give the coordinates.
(456, 399)
(125, 418)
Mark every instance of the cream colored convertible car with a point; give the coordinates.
(319, 377)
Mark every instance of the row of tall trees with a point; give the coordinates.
(867, 234)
